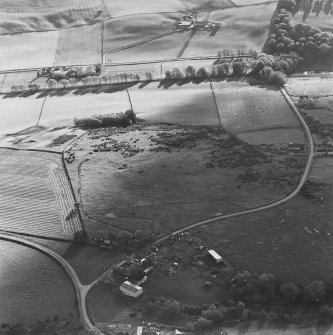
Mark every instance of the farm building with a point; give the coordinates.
(131, 289)
(215, 256)
(296, 147)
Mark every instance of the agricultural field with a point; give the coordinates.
(199, 5)
(292, 241)
(312, 86)
(32, 15)
(80, 46)
(18, 113)
(165, 47)
(35, 195)
(242, 29)
(190, 104)
(19, 51)
(121, 33)
(241, 3)
(243, 107)
(17, 78)
(33, 286)
(131, 7)
(61, 110)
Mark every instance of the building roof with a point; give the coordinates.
(131, 287)
(214, 254)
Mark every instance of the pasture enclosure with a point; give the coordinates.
(80, 46)
(35, 195)
(131, 7)
(312, 86)
(242, 29)
(190, 104)
(17, 114)
(243, 107)
(123, 33)
(32, 15)
(30, 50)
(62, 110)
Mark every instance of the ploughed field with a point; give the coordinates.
(312, 86)
(35, 195)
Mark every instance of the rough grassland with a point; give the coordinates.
(62, 110)
(313, 86)
(123, 32)
(191, 104)
(159, 177)
(292, 241)
(18, 114)
(19, 51)
(32, 15)
(80, 46)
(130, 7)
(35, 197)
(242, 28)
(243, 107)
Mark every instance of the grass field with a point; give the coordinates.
(242, 29)
(19, 51)
(33, 286)
(243, 107)
(80, 46)
(313, 86)
(190, 104)
(32, 15)
(62, 110)
(35, 195)
(18, 114)
(123, 32)
(292, 241)
(322, 21)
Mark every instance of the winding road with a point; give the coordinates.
(82, 290)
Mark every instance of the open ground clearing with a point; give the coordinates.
(32, 15)
(80, 46)
(243, 107)
(19, 113)
(242, 29)
(322, 21)
(312, 86)
(62, 110)
(123, 32)
(292, 241)
(31, 50)
(125, 175)
(32, 286)
(166, 47)
(35, 195)
(190, 104)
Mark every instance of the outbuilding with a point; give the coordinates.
(216, 256)
(131, 289)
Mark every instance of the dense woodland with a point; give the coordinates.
(312, 6)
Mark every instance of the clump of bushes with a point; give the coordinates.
(107, 120)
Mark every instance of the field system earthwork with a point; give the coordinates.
(126, 155)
